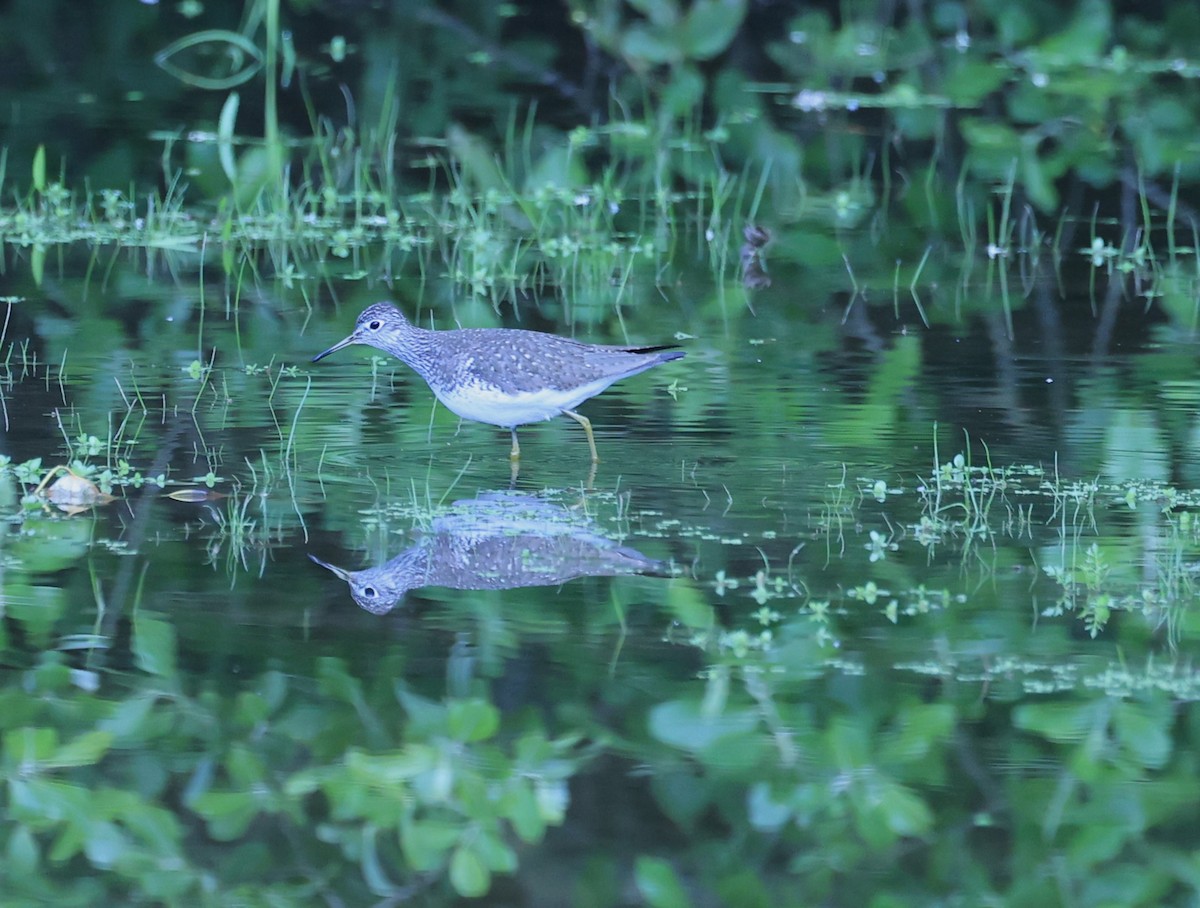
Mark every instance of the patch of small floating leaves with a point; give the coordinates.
(1181, 682)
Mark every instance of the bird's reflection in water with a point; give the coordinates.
(497, 541)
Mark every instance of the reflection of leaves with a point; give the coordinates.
(1059, 722)
(659, 884)
(706, 30)
(649, 45)
(85, 750)
(905, 812)
(469, 875)
(1082, 41)
(766, 811)
(424, 842)
(522, 810)
(473, 720)
(681, 723)
(154, 644)
(710, 26)
(1143, 729)
(47, 545)
(228, 813)
(35, 609)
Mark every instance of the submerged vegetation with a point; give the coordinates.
(887, 598)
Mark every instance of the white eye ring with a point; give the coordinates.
(375, 324)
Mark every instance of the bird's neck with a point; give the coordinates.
(415, 347)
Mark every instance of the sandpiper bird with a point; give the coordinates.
(503, 376)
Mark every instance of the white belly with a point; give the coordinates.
(482, 403)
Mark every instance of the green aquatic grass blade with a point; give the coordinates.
(240, 50)
(225, 128)
(39, 169)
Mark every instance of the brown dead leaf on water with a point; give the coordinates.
(74, 494)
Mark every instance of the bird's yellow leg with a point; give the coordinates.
(516, 448)
(587, 427)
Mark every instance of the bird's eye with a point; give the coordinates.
(369, 592)
(374, 324)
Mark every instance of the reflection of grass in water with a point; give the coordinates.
(239, 536)
(1035, 675)
(104, 459)
(992, 520)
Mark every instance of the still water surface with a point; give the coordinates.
(850, 608)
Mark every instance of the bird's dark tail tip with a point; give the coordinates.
(667, 352)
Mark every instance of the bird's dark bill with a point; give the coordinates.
(335, 348)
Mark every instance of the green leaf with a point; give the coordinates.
(245, 767)
(745, 889)
(658, 883)
(425, 842)
(228, 813)
(48, 545)
(469, 875)
(35, 608)
(425, 717)
(250, 709)
(904, 811)
(85, 750)
(39, 169)
(972, 80)
(1083, 40)
(1059, 722)
(335, 681)
(689, 606)
(105, 843)
(21, 854)
(663, 13)
(37, 263)
(767, 813)
(919, 728)
(521, 808)
(986, 135)
(129, 719)
(682, 724)
(1039, 186)
(710, 27)
(683, 796)
(684, 91)
(394, 767)
(372, 868)
(473, 720)
(495, 852)
(1091, 845)
(256, 171)
(645, 45)
(1144, 732)
(68, 844)
(44, 800)
(154, 644)
(553, 797)
(30, 746)
(150, 823)
(225, 132)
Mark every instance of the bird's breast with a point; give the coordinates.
(484, 402)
